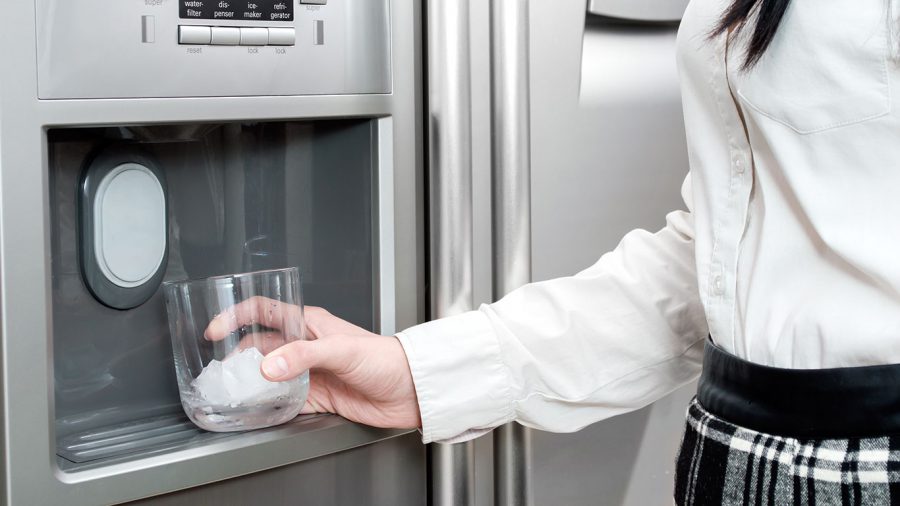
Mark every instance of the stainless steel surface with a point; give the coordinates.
(512, 465)
(608, 156)
(511, 134)
(642, 10)
(94, 49)
(511, 160)
(385, 268)
(32, 475)
(450, 168)
(452, 478)
(484, 470)
(372, 475)
(450, 157)
(482, 226)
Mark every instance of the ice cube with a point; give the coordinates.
(210, 384)
(238, 380)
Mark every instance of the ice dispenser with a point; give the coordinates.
(132, 156)
(152, 206)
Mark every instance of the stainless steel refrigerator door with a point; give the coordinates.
(31, 471)
(608, 156)
(334, 49)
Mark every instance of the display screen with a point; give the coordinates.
(238, 10)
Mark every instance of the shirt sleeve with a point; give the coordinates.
(562, 354)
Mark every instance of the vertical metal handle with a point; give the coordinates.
(450, 152)
(450, 169)
(511, 175)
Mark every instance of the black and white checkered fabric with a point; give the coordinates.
(722, 463)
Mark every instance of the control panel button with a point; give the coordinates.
(225, 36)
(319, 32)
(254, 36)
(282, 37)
(148, 29)
(314, 2)
(194, 35)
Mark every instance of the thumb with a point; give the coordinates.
(293, 359)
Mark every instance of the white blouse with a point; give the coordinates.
(788, 256)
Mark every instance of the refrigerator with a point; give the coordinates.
(413, 158)
(280, 134)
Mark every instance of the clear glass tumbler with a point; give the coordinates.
(221, 328)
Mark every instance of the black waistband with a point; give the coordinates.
(844, 402)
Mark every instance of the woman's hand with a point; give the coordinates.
(354, 373)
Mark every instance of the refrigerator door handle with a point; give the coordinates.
(511, 203)
(450, 170)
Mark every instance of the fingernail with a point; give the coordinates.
(275, 367)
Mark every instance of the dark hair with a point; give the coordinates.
(768, 14)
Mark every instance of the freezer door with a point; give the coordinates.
(331, 183)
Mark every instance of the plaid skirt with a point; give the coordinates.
(722, 463)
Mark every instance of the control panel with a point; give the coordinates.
(242, 10)
(209, 48)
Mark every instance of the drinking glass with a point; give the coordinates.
(221, 329)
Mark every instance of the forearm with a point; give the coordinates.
(561, 354)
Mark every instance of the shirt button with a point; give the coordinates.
(718, 284)
(739, 166)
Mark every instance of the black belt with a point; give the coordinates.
(843, 402)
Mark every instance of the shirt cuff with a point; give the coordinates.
(463, 387)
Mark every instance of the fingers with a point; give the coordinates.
(265, 342)
(337, 355)
(274, 314)
(255, 310)
(321, 323)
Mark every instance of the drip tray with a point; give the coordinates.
(149, 435)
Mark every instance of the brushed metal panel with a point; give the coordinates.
(30, 470)
(608, 156)
(625, 461)
(479, 23)
(643, 10)
(95, 49)
(511, 185)
(391, 473)
(450, 170)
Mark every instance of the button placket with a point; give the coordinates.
(718, 284)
